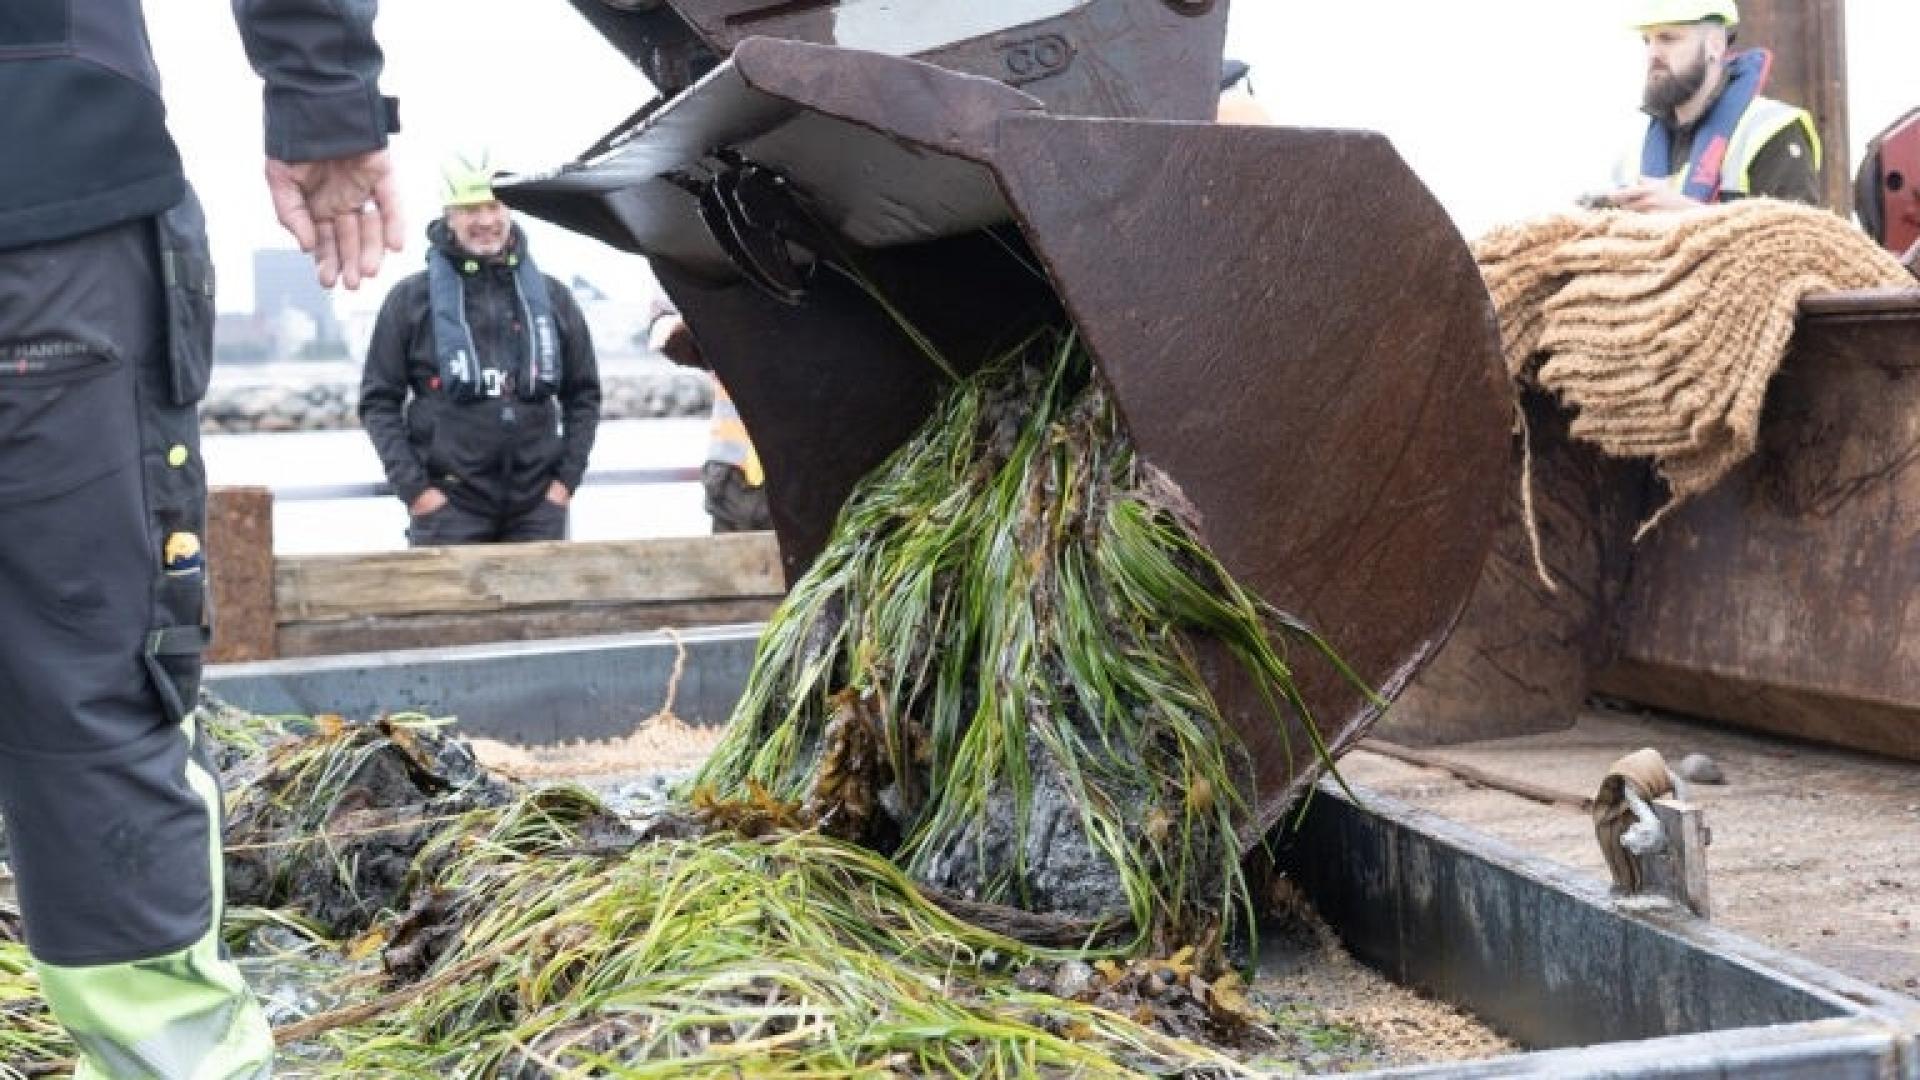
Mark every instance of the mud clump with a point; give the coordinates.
(333, 825)
(999, 673)
(1064, 875)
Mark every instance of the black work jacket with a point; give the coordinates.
(494, 455)
(83, 133)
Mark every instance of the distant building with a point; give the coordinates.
(241, 337)
(283, 282)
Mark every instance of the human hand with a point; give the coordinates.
(345, 212)
(557, 494)
(1652, 197)
(427, 502)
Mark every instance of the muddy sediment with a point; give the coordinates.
(1279, 1019)
(1064, 873)
(441, 979)
(334, 824)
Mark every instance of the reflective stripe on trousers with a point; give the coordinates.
(184, 1016)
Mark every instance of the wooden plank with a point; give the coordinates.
(1809, 43)
(240, 573)
(503, 577)
(1835, 715)
(432, 631)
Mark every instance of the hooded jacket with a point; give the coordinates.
(495, 454)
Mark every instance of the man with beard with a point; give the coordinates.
(1712, 137)
(481, 392)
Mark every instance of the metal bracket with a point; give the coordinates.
(755, 216)
(1676, 870)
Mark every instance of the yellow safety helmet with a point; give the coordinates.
(1669, 12)
(467, 179)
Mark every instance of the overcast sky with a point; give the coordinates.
(1505, 107)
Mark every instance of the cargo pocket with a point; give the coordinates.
(56, 394)
(182, 624)
(176, 477)
(186, 268)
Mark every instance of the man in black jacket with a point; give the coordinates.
(106, 311)
(481, 392)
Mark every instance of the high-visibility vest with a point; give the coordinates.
(1764, 119)
(727, 438)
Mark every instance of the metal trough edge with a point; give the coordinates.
(1549, 959)
(1856, 1049)
(527, 692)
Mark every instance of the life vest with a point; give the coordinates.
(1738, 126)
(727, 438)
(453, 347)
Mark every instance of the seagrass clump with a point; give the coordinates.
(28, 1033)
(537, 933)
(786, 954)
(990, 673)
(331, 823)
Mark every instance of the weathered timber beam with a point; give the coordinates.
(494, 578)
(240, 574)
(1809, 43)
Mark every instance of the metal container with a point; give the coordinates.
(1779, 601)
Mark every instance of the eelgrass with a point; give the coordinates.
(792, 955)
(542, 939)
(1005, 619)
(29, 1036)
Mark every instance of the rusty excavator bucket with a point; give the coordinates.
(1294, 331)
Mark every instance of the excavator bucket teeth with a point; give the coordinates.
(1294, 332)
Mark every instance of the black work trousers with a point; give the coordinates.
(453, 524)
(733, 504)
(105, 344)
